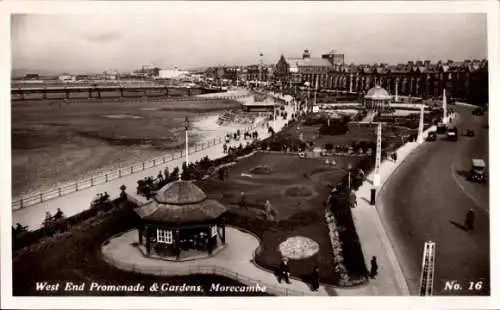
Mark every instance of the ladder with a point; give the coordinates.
(427, 276)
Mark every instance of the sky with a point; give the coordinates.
(186, 38)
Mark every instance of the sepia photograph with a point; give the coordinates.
(247, 149)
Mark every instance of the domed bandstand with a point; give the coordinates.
(181, 223)
(377, 98)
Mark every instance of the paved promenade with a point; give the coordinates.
(76, 202)
(374, 240)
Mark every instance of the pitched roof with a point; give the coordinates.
(181, 202)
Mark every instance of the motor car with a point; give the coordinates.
(441, 128)
(452, 133)
(469, 133)
(432, 136)
(478, 172)
(478, 111)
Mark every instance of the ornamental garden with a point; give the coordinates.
(291, 190)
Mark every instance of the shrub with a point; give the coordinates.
(336, 128)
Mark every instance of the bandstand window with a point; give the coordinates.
(214, 231)
(164, 236)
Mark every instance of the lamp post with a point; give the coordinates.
(349, 167)
(420, 138)
(445, 108)
(186, 127)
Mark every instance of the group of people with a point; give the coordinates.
(49, 219)
(100, 198)
(284, 272)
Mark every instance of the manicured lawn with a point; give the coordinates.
(356, 133)
(295, 215)
(75, 257)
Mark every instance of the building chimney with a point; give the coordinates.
(306, 54)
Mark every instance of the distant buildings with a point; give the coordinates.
(147, 71)
(172, 74)
(32, 76)
(241, 74)
(466, 80)
(66, 78)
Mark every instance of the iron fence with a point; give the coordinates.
(113, 174)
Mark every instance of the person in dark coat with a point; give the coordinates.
(469, 219)
(59, 214)
(315, 278)
(374, 267)
(166, 173)
(284, 272)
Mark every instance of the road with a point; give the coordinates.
(427, 199)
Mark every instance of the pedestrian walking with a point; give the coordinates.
(315, 279)
(469, 219)
(160, 176)
(284, 272)
(374, 267)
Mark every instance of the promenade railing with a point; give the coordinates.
(113, 174)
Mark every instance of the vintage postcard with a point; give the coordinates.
(248, 149)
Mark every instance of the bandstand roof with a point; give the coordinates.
(181, 202)
(377, 93)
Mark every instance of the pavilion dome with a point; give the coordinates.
(377, 93)
(181, 202)
(180, 193)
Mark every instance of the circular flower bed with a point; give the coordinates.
(263, 169)
(298, 248)
(298, 191)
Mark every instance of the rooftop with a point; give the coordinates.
(181, 202)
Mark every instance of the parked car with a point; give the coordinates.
(432, 136)
(478, 171)
(469, 133)
(441, 128)
(452, 133)
(478, 111)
